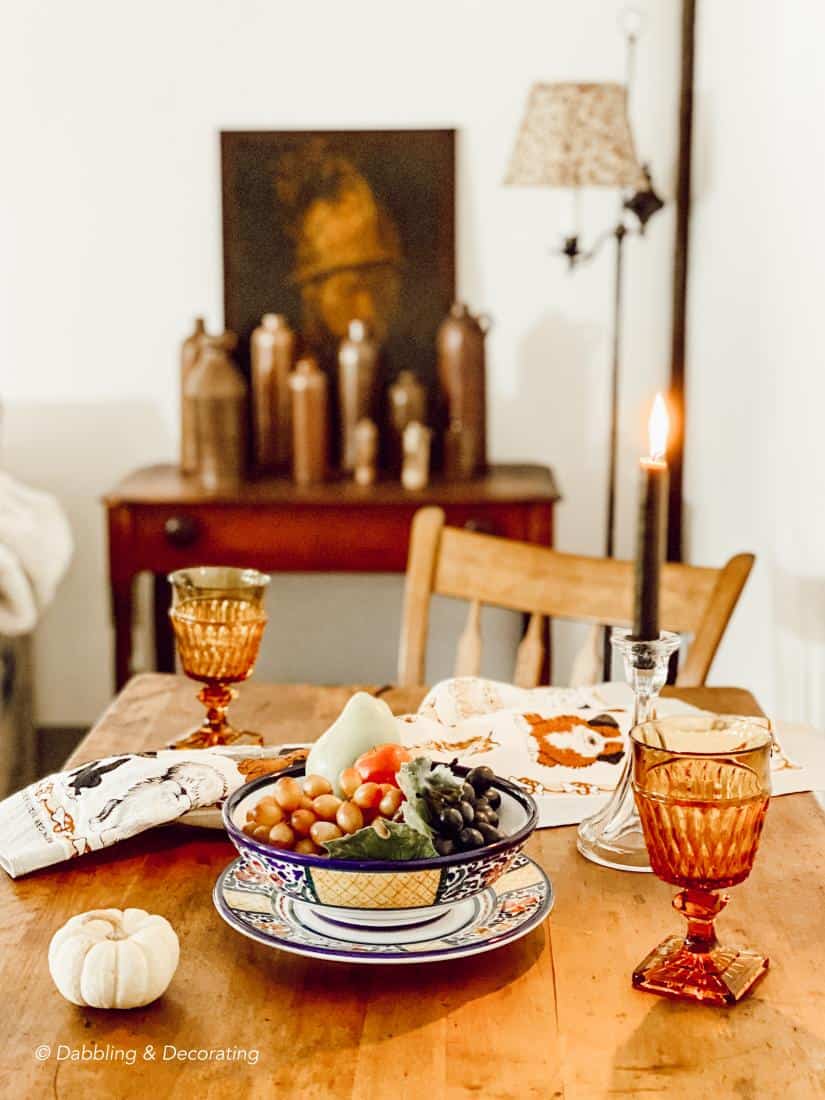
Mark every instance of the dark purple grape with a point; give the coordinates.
(450, 822)
(470, 838)
(468, 812)
(489, 832)
(481, 779)
(488, 816)
(468, 793)
(493, 798)
(444, 845)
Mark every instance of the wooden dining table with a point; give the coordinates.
(552, 1015)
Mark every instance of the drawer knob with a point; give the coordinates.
(181, 530)
(481, 524)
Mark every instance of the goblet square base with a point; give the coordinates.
(204, 737)
(721, 976)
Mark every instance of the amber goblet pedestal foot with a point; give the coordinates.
(702, 787)
(218, 618)
(697, 966)
(215, 728)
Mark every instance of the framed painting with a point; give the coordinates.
(327, 226)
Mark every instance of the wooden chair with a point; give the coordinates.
(485, 569)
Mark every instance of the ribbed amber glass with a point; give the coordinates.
(218, 638)
(218, 617)
(702, 787)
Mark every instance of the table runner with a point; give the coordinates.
(567, 746)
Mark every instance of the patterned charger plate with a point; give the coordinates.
(504, 912)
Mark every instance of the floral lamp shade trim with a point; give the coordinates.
(575, 135)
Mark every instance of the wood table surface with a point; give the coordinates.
(553, 1015)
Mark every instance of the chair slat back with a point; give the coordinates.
(486, 569)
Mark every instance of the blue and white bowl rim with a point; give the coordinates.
(329, 863)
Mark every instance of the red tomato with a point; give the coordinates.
(380, 764)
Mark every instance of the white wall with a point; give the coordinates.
(111, 230)
(755, 469)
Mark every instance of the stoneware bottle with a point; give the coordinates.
(357, 367)
(189, 351)
(308, 386)
(407, 402)
(218, 397)
(461, 375)
(272, 352)
(366, 452)
(416, 469)
(459, 452)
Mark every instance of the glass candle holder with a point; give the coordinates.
(218, 617)
(613, 837)
(702, 785)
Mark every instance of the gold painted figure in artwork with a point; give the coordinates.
(348, 253)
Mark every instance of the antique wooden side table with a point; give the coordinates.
(160, 520)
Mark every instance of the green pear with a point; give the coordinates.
(363, 723)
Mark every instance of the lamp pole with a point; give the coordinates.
(644, 203)
(619, 234)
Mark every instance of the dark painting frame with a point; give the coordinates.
(410, 173)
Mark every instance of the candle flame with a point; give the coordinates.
(658, 427)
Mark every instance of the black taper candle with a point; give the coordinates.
(650, 549)
(651, 535)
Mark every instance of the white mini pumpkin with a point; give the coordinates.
(113, 958)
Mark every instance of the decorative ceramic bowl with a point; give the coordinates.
(378, 892)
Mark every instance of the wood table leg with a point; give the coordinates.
(122, 608)
(164, 642)
(540, 532)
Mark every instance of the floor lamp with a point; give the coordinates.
(575, 136)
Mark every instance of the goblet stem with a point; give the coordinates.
(215, 729)
(216, 698)
(612, 837)
(700, 908)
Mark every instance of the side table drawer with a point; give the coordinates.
(306, 538)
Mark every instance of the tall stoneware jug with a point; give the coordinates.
(357, 367)
(407, 404)
(218, 396)
(308, 386)
(461, 375)
(272, 352)
(189, 351)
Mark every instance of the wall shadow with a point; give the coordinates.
(560, 404)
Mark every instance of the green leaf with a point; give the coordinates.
(412, 776)
(419, 779)
(414, 819)
(401, 842)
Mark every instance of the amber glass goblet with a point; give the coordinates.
(702, 786)
(218, 617)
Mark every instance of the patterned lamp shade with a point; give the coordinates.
(575, 135)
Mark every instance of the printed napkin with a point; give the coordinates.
(567, 746)
(97, 804)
